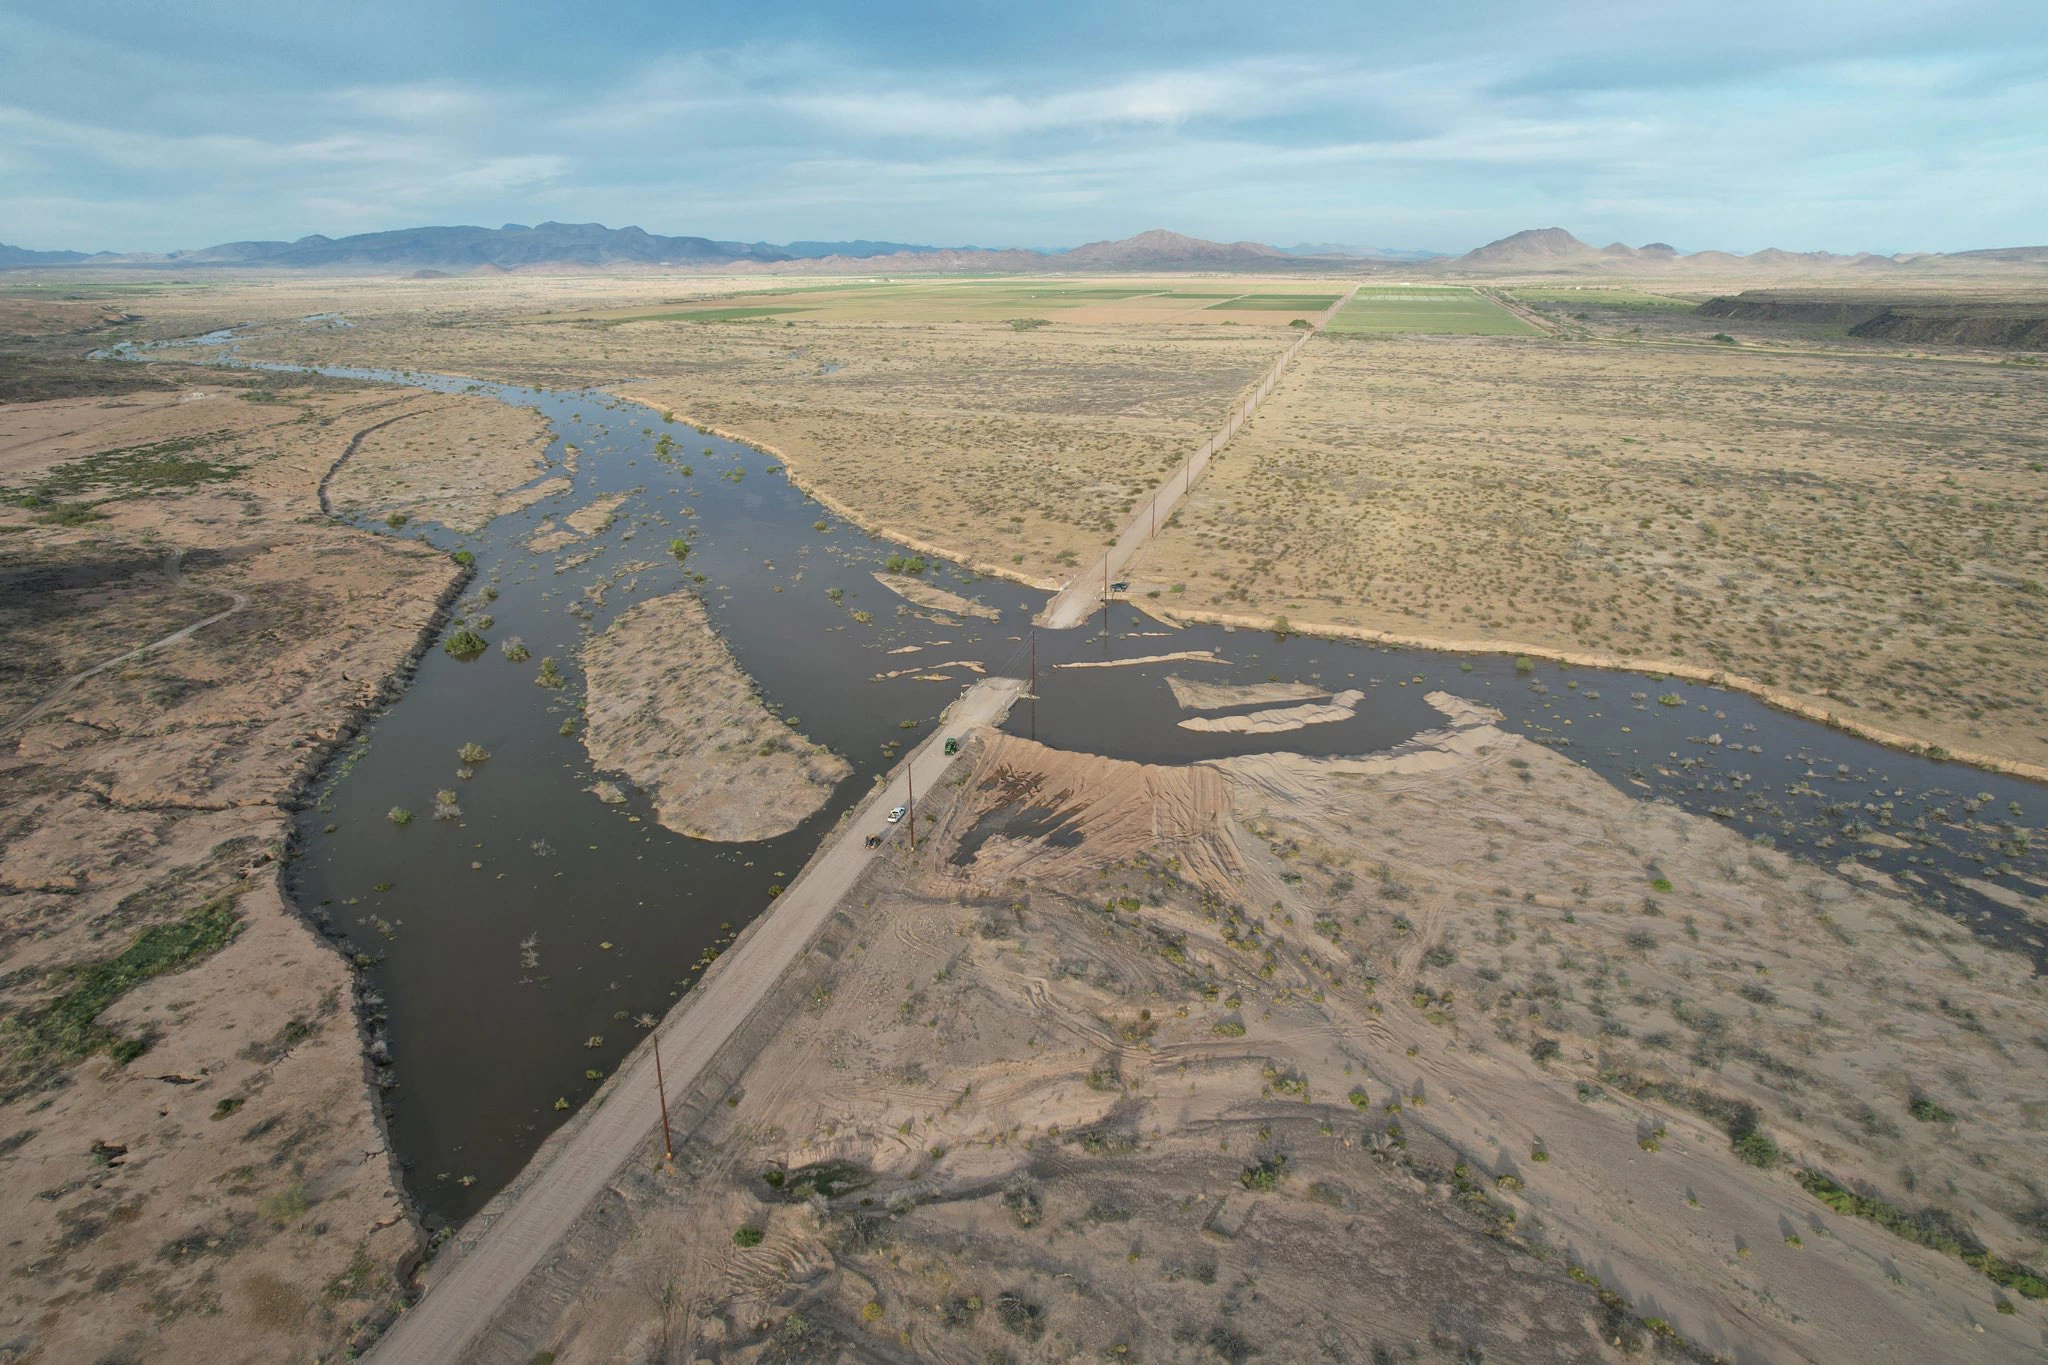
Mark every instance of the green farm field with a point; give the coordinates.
(992, 300)
(1280, 303)
(1429, 312)
(1600, 296)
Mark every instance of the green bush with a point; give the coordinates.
(67, 1029)
(1756, 1148)
(746, 1235)
(1928, 1231)
(464, 643)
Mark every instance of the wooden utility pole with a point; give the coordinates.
(668, 1142)
(910, 806)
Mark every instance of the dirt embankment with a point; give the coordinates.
(935, 598)
(1997, 324)
(671, 708)
(195, 1168)
(1401, 1053)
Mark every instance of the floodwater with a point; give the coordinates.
(508, 953)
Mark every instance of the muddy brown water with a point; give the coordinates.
(507, 954)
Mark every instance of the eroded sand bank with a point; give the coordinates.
(1193, 694)
(671, 709)
(936, 598)
(587, 520)
(1274, 719)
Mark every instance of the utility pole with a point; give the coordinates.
(1034, 684)
(668, 1142)
(910, 806)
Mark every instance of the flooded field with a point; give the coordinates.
(513, 951)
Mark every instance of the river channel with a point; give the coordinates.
(509, 954)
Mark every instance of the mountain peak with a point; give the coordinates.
(1529, 246)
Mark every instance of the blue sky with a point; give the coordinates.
(1880, 125)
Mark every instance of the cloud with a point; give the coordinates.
(1747, 124)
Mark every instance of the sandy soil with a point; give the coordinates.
(223, 1193)
(1248, 1057)
(586, 521)
(459, 465)
(1274, 719)
(1193, 694)
(936, 598)
(1862, 533)
(671, 709)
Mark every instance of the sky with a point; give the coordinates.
(1883, 125)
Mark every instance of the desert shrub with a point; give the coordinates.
(1024, 1206)
(1757, 1148)
(473, 754)
(1929, 1111)
(550, 674)
(515, 649)
(399, 815)
(1019, 1315)
(288, 1205)
(1263, 1174)
(464, 643)
(746, 1235)
(1927, 1229)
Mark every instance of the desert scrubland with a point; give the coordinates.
(194, 1163)
(1864, 533)
(1456, 1053)
(1459, 1052)
(1019, 450)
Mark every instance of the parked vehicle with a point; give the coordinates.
(952, 746)
(898, 814)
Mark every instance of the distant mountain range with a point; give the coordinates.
(592, 246)
(1553, 250)
(516, 246)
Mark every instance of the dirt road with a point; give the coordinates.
(69, 685)
(576, 1169)
(1074, 603)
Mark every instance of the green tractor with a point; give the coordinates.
(952, 746)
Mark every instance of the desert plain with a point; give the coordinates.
(1459, 1052)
